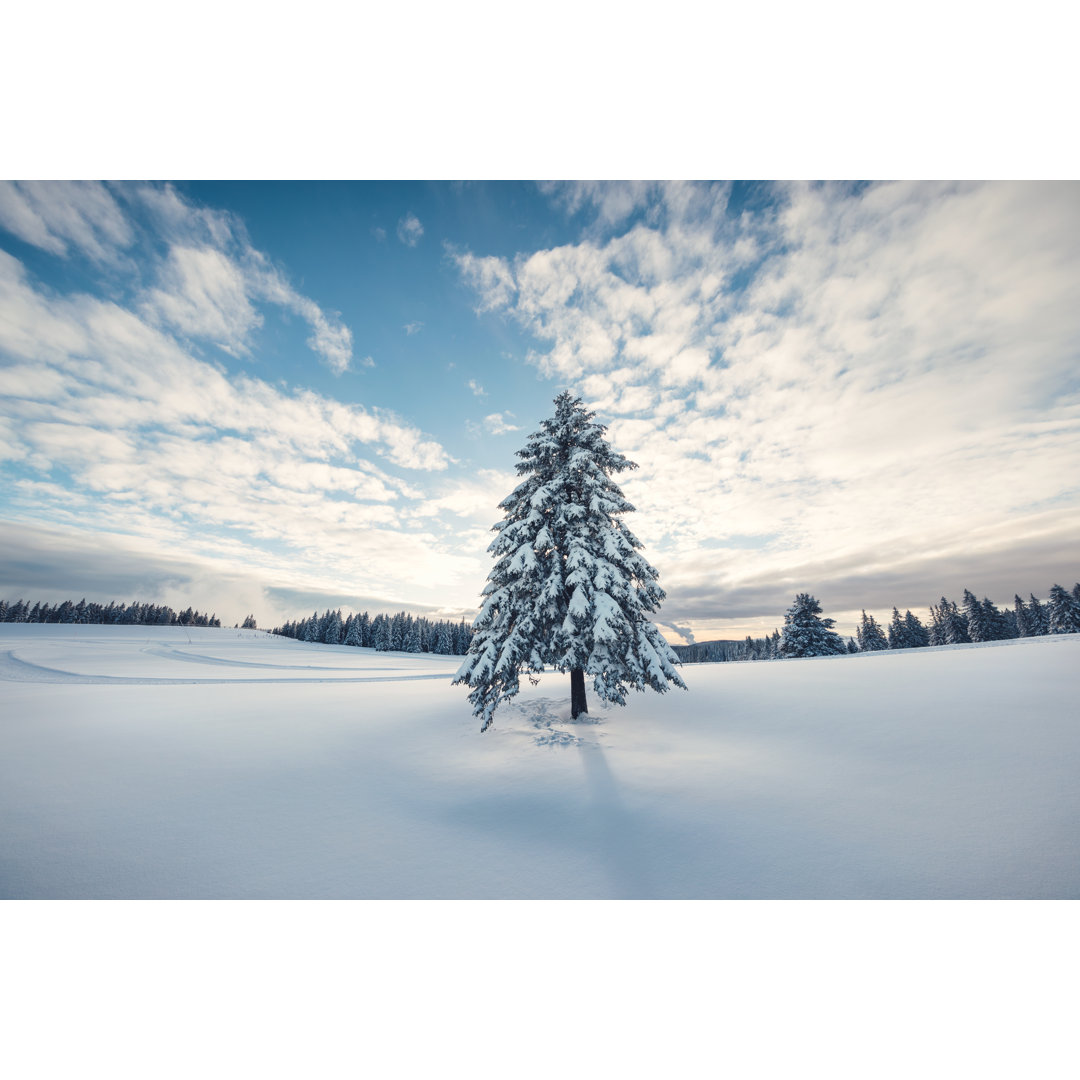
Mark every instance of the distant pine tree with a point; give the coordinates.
(397, 632)
(851, 646)
(997, 626)
(1063, 612)
(898, 635)
(871, 636)
(917, 635)
(1038, 618)
(805, 633)
(955, 625)
(332, 628)
(1023, 621)
(936, 630)
(978, 626)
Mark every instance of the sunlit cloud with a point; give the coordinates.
(847, 373)
(117, 422)
(61, 216)
(867, 392)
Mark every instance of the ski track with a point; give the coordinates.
(169, 653)
(14, 669)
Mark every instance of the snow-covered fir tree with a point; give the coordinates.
(917, 636)
(1023, 619)
(805, 633)
(871, 636)
(978, 624)
(1063, 612)
(332, 630)
(898, 634)
(999, 626)
(1038, 620)
(569, 588)
(954, 629)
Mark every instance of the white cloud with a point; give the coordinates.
(843, 374)
(54, 215)
(122, 426)
(476, 388)
(412, 328)
(211, 278)
(409, 230)
(203, 293)
(492, 424)
(491, 277)
(497, 424)
(612, 202)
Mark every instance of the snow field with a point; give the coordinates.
(145, 762)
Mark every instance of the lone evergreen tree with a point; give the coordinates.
(568, 588)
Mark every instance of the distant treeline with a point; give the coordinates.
(111, 614)
(387, 633)
(711, 652)
(972, 620)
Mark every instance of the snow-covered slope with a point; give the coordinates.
(147, 762)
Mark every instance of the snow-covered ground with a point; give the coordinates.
(165, 762)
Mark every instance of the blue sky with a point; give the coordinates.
(271, 397)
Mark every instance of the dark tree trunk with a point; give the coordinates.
(578, 704)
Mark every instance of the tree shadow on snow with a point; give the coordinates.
(614, 830)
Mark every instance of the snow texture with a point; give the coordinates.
(140, 762)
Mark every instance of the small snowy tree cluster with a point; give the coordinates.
(386, 633)
(111, 614)
(907, 632)
(870, 635)
(569, 588)
(950, 624)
